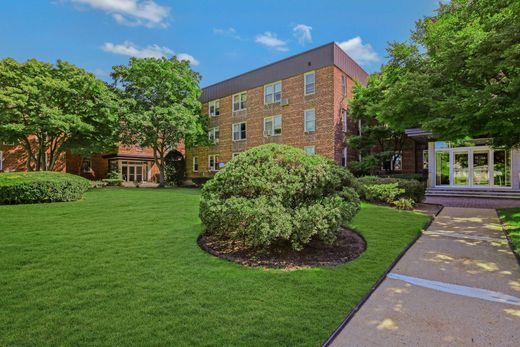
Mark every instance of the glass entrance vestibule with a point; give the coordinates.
(472, 166)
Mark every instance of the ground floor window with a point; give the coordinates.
(86, 165)
(397, 162)
(195, 164)
(310, 149)
(213, 164)
(234, 155)
(477, 166)
(134, 171)
(344, 157)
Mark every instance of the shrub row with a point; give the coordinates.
(388, 189)
(39, 187)
(276, 195)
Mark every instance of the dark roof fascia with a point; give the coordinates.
(325, 55)
(128, 156)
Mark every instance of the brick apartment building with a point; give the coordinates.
(301, 101)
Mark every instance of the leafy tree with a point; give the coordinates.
(163, 106)
(378, 144)
(49, 109)
(459, 76)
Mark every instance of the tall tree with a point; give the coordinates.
(49, 109)
(163, 105)
(459, 76)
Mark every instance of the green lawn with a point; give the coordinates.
(122, 267)
(511, 217)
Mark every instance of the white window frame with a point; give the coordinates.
(305, 84)
(306, 114)
(212, 135)
(216, 105)
(344, 120)
(275, 99)
(195, 161)
(311, 150)
(273, 131)
(344, 157)
(344, 85)
(234, 155)
(215, 166)
(239, 132)
(242, 101)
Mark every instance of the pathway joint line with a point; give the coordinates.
(464, 236)
(472, 292)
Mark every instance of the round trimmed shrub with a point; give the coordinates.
(40, 187)
(277, 195)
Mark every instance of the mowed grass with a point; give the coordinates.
(511, 218)
(122, 267)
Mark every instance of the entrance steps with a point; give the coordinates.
(486, 193)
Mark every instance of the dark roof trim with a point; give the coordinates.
(328, 54)
(417, 132)
(128, 156)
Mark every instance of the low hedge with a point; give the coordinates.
(40, 187)
(407, 176)
(407, 188)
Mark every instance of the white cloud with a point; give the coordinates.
(271, 40)
(131, 12)
(362, 54)
(151, 51)
(302, 33)
(188, 57)
(229, 32)
(101, 73)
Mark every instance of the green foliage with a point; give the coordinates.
(49, 109)
(409, 188)
(113, 182)
(276, 195)
(407, 176)
(385, 192)
(97, 184)
(40, 187)
(114, 175)
(162, 102)
(511, 219)
(175, 168)
(458, 77)
(200, 181)
(404, 204)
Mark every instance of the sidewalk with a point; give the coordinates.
(458, 285)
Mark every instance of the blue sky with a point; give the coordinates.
(221, 38)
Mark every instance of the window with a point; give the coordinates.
(425, 159)
(310, 149)
(309, 120)
(195, 164)
(273, 93)
(344, 157)
(344, 120)
(344, 85)
(1, 161)
(86, 165)
(214, 135)
(234, 155)
(214, 108)
(309, 83)
(239, 131)
(272, 126)
(396, 163)
(239, 101)
(213, 164)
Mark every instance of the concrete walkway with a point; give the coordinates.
(459, 285)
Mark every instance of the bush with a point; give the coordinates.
(114, 175)
(277, 195)
(408, 176)
(387, 192)
(97, 184)
(113, 182)
(412, 189)
(40, 187)
(404, 204)
(200, 181)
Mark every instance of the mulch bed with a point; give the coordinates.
(348, 246)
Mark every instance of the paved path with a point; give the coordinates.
(458, 285)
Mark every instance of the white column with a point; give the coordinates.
(431, 164)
